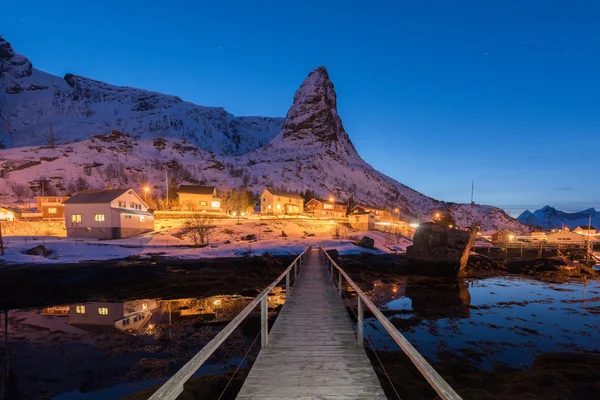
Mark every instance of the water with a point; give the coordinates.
(107, 350)
(498, 320)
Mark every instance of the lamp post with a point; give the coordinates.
(146, 194)
(398, 211)
(331, 199)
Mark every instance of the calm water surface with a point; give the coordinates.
(106, 350)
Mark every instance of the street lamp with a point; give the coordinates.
(437, 216)
(398, 211)
(146, 194)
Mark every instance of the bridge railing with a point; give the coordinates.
(443, 389)
(174, 386)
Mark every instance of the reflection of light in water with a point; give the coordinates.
(217, 302)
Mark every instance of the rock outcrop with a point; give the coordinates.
(439, 250)
(366, 242)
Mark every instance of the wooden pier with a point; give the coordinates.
(312, 352)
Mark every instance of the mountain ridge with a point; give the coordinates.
(308, 150)
(549, 217)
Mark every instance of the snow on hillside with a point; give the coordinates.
(194, 144)
(78, 107)
(549, 217)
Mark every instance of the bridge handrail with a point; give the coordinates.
(171, 389)
(443, 389)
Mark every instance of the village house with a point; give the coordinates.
(51, 207)
(200, 198)
(124, 316)
(6, 214)
(502, 236)
(325, 209)
(380, 215)
(565, 237)
(362, 221)
(585, 230)
(107, 214)
(538, 235)
(273, 202)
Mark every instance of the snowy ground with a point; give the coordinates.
(224, 242)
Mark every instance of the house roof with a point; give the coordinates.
(585, 228)
(284, 194)
(363, 213)
(52, 197)
(195, 189)
(4, 210)
(96, 196)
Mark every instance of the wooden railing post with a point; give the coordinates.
(264, 321)
(340, 284)
(287, 284)
(295, 271)
(360, 323)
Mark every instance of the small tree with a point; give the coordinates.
(447, 219)
(199, 227)
(239, 200)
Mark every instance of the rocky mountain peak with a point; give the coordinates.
(313, 118)
(12, 64)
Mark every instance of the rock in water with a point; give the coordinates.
(366, 242)
(440, 250)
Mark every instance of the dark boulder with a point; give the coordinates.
(439, 250)
(366, 242)
(40, 250)
(251, 236)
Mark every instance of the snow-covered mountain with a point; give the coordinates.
(109, 135)
(549, 217)
(79, 108)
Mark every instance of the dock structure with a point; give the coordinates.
(312, 351)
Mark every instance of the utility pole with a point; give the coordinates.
(1, 240)
(51, 142)
(167, 188)
(588, 248)
(472, 190)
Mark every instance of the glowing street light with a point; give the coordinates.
(437, 216)
(398, 211)
(146, 189)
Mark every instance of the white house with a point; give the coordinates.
(107, 214)
(124, 316)
(6, 214)
(565, 237)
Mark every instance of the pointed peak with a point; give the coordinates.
(11, 63)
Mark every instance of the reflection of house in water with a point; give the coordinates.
(125, 316)
(386, 292)
(56, 310)
(218, 308)
(435, 299)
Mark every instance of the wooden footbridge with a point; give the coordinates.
(312, 351)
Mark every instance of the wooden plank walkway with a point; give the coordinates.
(312, 352)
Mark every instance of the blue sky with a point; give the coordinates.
(432, 93)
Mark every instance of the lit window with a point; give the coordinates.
(279, 206)
(103, 311)
(142, 218)
(98, 217)
(202, 203)
(269, 206)
(52, 210)
(215, 204)
(144, 306)
(80, 309)
(76, 218)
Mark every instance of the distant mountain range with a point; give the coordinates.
(121, 136)
(549, 217)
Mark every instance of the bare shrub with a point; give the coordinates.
(198, 228)
(19, 189)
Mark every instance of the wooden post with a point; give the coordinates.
(1, 240)
(360, 323)
(340, 284)
(287, 284)
(521, 249)
(295, 271)
(264, 321)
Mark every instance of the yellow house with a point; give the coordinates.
(201, 198)
(362, 221)
(583, 230)
(565, 237)
(278, 202)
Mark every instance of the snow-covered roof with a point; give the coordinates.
(585, 228)
(96, 196)
(195, 189)
(327, 201)
(130, 211)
